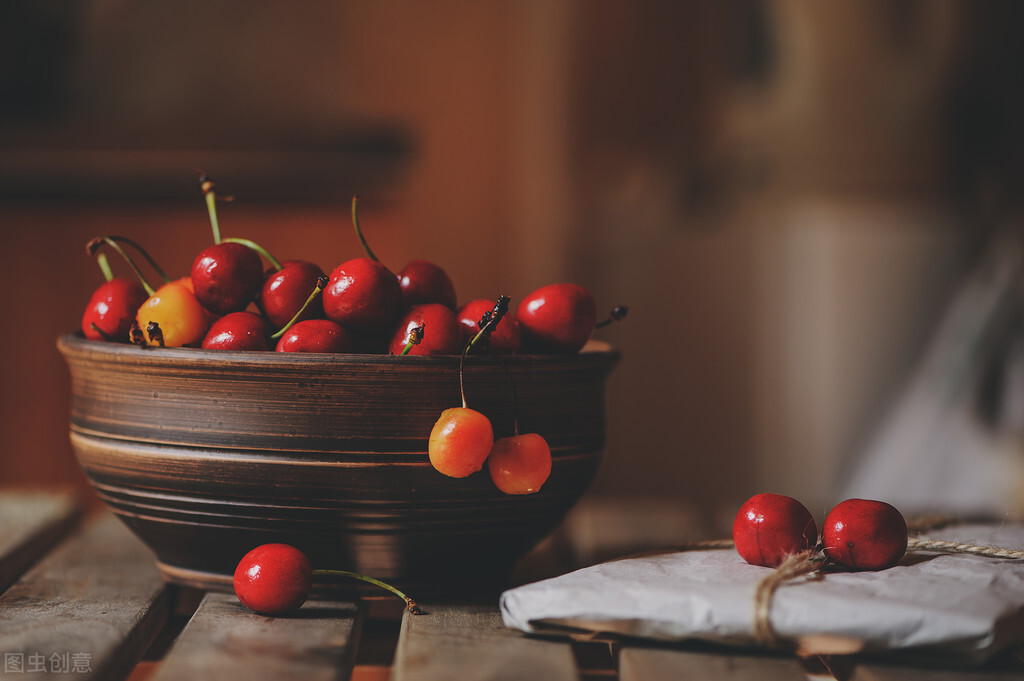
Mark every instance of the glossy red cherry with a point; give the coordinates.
(226, 277)
(364, 296)
(316, 335)
(238, 331)
(520, 464)
(770, 527)
(285, 291)
(557, 318)
(863, 534)
(505, 338)
(424, 282)
(460, 442)
(441, 333)
(112, 309)
(273, 579)
(175, 310)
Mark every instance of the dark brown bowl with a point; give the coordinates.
(207, 454)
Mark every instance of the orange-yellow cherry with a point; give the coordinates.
(179, 314)
(520, 464)
(460, 442)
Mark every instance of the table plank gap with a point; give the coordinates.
(224, 640)
(90, 608)
(468, 642)
(30, 524)
(663, 664)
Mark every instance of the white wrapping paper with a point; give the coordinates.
(950, 605)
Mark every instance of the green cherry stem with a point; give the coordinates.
(210, 194)
(487, 323)
(321, 284)
(106, 336)
(275, 263)
(359, 231)
(415, 338)
(104, 265)
(145, 254)
(93, 245)
(409, 603)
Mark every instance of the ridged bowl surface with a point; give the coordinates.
(207, 454)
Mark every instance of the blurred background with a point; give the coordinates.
(810, 208)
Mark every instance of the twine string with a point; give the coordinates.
(922, 544)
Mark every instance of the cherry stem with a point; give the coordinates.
(104, 266)
(487, 322)
(617, 314)
(93, 245)
(515, 397)
(415, 338)
(409, 603)
(359, 231)
(155, 333)
(256, 247)
(206, 184)
(145, 254)
(321, 284)
(106, 336)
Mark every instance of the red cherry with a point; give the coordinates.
(363, 295)
(238, 331)
(506, 336)
(863, 534)
(441, 334)
(317, 335)
(112, 309)
(285, 291)
(557, 318)
(460, 442)
(520, 464)
(424, 282)
(226, 277)
(770, 527)
(273, 579)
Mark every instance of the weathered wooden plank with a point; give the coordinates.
(662, 664)
(471, 642)
(90, 608)
(225, 641)
(877, 672)
(30, 523)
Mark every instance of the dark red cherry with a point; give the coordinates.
(112, 309)
(770, 527)
(273, 579)
(238, 331)
(441, 333)
(363, 295)
(424, 282)
(226, 277)
(285, 291)
(317, 335)
(557, 318)
(505, 337)
(863, 534)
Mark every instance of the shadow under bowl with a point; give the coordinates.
(207, 454)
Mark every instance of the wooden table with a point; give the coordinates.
(82, 599)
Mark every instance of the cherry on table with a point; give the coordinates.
(441, 333)
(557, 318)
(770, 527)
(423, 282)
(363, 295)
(506, 336)
(111, 310)
(864, 534)
(273, 579)
(520, 464)
(285, 290)
(316, 335)
(226, 277)
(238, 331)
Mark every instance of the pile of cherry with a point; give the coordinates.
(230, 302)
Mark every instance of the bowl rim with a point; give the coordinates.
(594, 353)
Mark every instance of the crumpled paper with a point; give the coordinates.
(950, 605)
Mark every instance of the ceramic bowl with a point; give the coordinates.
(207, 454)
